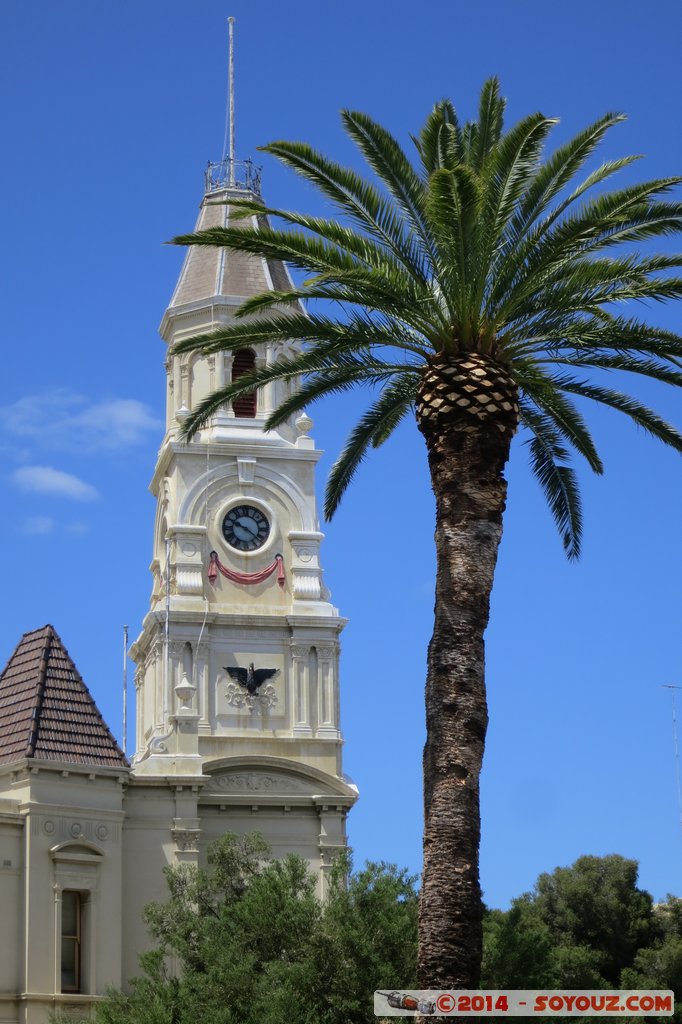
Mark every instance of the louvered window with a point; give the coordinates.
(244, 362)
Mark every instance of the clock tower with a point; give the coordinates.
(237, 686)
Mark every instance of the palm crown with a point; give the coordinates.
(477, 249)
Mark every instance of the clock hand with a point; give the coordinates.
(248, 524)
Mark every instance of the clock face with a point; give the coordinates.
(246, 528)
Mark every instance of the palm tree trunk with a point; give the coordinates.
(467, 454)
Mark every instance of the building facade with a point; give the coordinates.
(237, 694)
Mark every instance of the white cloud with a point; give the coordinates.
(77, 529)
(46, 480)
(63, 421)
(36, 525)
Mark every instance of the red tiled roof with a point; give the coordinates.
(47, 711)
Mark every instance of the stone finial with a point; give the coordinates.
(304, 424)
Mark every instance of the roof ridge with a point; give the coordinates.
(40, 692)
(30, 632)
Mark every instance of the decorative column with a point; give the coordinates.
(90, 928)
(139, 706)
(300, 656)
(157, 657)
(224, 376)
(175, 656)
(186, 829)
(331, 839)
(326, 703)
(184, 717)
(57, 983)
(184, 385)
(201, 659)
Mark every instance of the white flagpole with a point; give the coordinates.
(125, 689)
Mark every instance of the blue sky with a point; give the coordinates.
(109, 114)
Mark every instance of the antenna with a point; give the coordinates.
(672, 688)
(125, 689)
(228, 153)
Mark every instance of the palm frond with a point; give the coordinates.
(508, 174)
(377, 422)
(544, 392)
(357, 331)
(646, 367)
(439, 143)
(356, 197)
(452, 208)
(317, 385)
(386, 157)
(548, 459)
(490, 123)
(303, 251)
(637, 411)
(339, 365)
(628, 215)
(369, 251)
(556, 173)
(573, 334)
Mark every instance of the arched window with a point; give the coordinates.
(244, 362)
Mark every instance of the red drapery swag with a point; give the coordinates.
(215, 566)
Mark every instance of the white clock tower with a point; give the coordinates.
(238, 594)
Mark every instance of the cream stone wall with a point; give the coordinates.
(60, 828)
(11, 902)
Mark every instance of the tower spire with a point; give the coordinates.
(230, 173)
(230, 22)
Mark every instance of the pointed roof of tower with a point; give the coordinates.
(210, 273)
(46, 710)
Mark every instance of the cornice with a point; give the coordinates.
(264, 450)
(34, 766)
(186, 310)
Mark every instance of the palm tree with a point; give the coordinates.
(476, 289)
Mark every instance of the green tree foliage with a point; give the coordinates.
(587, 926)
(246, 941)
(580, 927)
(660, 965)
(596, 904)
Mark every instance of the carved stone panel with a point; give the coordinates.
(252, 782)
(232, 698)
(186, 839)
(265, 698)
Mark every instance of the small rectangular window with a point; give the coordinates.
(72, 921)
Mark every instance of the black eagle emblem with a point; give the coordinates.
(250, 678)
